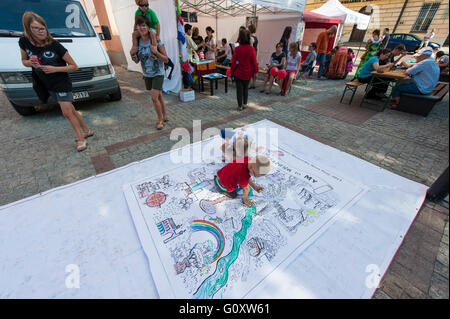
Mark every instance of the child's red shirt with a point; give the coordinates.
(233, 173)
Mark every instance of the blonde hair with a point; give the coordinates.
(262, 164)
(27, 19)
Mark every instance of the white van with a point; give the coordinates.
(68, 23)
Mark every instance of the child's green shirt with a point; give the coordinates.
(151, 17)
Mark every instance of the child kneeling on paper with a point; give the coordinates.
(237, 175)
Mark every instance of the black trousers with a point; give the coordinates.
(380, 87)
(242, 91)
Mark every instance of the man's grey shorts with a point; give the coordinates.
(62, 96)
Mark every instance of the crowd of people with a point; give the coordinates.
(285, 65)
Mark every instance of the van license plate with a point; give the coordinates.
(80, 95)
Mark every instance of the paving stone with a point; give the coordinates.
(38, 152)
(379, 294)
(441, 269)
(439, 287)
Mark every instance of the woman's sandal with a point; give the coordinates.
(86, 135)
(81, 146)
(160, 125)
(166, 120)
(240, 108)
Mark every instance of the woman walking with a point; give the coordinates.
(254, 43)
(243, 66)
(210, 43)
(50, 63)
(153, 69)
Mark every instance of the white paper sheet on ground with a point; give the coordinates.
(212, 247)
(88, 224)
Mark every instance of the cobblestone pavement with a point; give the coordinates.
(38, 153)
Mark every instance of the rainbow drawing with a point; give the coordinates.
(203, 225)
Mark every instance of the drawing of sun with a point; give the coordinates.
(156, 199)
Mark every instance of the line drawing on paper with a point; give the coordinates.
(212, 246)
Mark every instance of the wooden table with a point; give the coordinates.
(389, 78)
(202, 68)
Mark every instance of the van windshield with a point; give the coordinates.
(64, 18)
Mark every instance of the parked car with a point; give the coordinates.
(68, 23)
(412, 42)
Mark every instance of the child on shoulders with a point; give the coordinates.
(152, 21)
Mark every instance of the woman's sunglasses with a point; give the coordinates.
(143, 5)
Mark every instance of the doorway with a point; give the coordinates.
(358, 35)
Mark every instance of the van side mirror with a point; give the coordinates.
(106, 33)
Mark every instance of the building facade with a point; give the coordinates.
(400, 16)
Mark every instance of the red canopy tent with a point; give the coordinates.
(314, 24)
(315, 20)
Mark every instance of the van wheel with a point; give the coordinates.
(23, 110)
(116, 96)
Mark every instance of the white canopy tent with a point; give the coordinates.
(222, 11)
(335, 9)
(227, 16)
(242, 7)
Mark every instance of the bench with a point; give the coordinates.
(422, 104)
(352, 87)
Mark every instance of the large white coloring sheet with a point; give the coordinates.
(201, 244)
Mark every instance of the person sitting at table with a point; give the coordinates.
(424, 75)
(373, 64)
(398, 51)
(224, 56)
(442, 59)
